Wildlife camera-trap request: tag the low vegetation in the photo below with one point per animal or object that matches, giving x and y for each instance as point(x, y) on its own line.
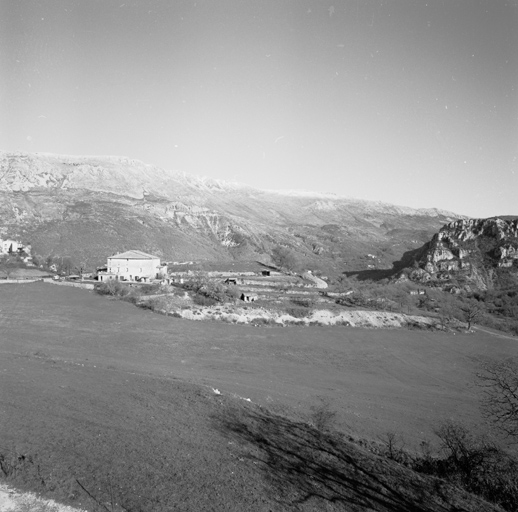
point(494, 309)
point(120, 290)
point(473, 463)
point(285, 258)
point(451, 310)
point(209, 292)
point(462, 459)
point(459, 457)
point(10, 263)
point(499, 309)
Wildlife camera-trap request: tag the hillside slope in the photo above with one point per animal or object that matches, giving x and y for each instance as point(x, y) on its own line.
point(159, 415)
point(90, 207)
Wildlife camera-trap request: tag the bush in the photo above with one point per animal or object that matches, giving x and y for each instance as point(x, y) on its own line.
point(394, 448)
point(157, 304)
point(118, 289)
point(304, 303)
point(147, 304)
point(297, 312)
point(473, 463)
point(219, 292)
point(149, 289)
point(232, 292)
point(285, 258)
point(464, 452)
point(109, 288)
point(323, 417)
point(259, 320)
point(203, 300)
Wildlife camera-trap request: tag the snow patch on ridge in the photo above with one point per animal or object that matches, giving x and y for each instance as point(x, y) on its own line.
point(305, 193)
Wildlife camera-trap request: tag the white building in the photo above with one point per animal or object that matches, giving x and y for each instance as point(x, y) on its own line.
point(132, 266)
point(10, 245)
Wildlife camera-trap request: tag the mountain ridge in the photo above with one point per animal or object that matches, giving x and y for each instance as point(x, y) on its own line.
point(119, 203)
point(219, 184)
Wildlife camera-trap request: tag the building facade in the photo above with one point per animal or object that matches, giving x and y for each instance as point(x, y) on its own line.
point(132, 266)
point(7, 246)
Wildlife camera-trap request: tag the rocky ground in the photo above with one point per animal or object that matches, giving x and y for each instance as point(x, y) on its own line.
point(15, 501)
point(183, 307)
point(244, 315)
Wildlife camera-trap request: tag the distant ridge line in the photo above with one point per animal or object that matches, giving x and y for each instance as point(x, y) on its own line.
point(219, 185)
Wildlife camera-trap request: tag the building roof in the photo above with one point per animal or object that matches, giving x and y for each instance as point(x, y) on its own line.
point(134, 255)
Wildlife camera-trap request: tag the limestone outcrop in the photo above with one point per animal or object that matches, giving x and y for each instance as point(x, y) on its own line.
point(470, 250)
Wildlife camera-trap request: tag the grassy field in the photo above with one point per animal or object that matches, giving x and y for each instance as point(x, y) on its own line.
point(120, 400)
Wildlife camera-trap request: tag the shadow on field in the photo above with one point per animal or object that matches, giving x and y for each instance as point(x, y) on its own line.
point(312, 470)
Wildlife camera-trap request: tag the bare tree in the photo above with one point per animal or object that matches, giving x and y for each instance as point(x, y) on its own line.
point(499, 380)
point(472, 311)
point(404, 300)
point(468, 455)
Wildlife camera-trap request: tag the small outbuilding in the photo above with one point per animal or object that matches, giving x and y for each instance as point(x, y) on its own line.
point(249, 297)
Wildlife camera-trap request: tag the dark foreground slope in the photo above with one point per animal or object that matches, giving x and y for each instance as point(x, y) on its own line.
point(105, 439)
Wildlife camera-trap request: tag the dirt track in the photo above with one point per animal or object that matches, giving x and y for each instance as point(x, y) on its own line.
point(495, 333)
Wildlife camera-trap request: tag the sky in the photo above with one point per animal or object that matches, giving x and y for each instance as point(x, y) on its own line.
point(410, 102)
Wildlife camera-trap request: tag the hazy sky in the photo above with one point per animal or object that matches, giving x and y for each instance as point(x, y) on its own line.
point(406, 101)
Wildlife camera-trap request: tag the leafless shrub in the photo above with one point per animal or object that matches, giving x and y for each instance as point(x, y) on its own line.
point(394, 447)
point(499, 381)
point(323, 416)
point(476, 464)
point(463, 450)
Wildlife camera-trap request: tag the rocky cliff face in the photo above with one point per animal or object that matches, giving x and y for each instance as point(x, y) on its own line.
point(90, 207)
point(470, 251)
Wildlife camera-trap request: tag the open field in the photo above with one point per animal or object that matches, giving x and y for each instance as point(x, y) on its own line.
point(378, 379)
point(83, 377)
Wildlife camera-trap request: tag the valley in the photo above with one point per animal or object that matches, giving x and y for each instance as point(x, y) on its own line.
point(339, 337)
point(258, 256)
